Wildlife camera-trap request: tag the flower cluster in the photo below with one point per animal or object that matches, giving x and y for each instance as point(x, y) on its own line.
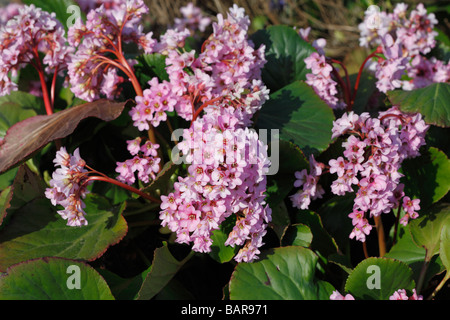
point(68, 186)
point(151, 108)
point(226, 178)
point(228, 65)
point(145, 162)
point(227, 162)
point(371, 161)
point(404, 41)
point(91, 71)
point(336, 295)
point(22, 38)
point(8, 12)
point(311, 190)
point(390, 70)
point(415, 31)
point(400, 294)
point(321, 80)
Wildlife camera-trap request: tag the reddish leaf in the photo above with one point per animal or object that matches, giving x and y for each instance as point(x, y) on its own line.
point(26, 137)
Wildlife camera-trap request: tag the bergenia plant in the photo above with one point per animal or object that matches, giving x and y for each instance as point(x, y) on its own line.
point(214, 159)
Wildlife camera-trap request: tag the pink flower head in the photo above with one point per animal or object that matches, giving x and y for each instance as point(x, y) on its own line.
point(31, 31)
point(68, 187)
point(90, 73)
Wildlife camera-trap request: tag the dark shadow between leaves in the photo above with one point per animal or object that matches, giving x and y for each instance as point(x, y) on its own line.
point(31, 217)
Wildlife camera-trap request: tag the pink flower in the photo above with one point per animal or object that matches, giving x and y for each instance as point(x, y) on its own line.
point(410, 207)
point(401, 294)
point(89, 75)
point(32, 30)
point(336, 295)
point(337, 166)
point(68, 187)
point(214, 190)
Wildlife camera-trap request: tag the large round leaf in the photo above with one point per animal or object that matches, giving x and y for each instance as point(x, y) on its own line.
point(379, 278)
point(407, 251)
point(426, 230)
point(287, 274)
point(35, 230)
point(164, 267)
point(300, 115)
point(53, 279)
point(321, 239)
point(427, 177)
point(285, 54)
point(297, 235)
point(431, 102)
point(444, 250)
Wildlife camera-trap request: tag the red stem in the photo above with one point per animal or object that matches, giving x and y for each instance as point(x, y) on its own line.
point(203, 106)
point(377, 50)
point(124, 186)
point(345, 88)
point(398, 116)
point(38, 66)
point(347, 78)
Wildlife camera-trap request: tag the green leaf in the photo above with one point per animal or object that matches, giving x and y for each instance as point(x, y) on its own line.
point(5, 202)
point(7, 178)
point(18, 106)
point(219, 251)
point(297, 235)
point(431, 102)
point(321, 239)
point(286, 273)
point(439, 138)
point(35, 231)
point(163, 269)
point(300, 115)
point(280, 218)
point(407, 251)
point(59, 7)
point(285, 54)
point(444, 250)
point(124, 288)
point(334, 214)
point(53, 279)
point(426, 230)
point(25, 188)
point(427, 177)
point(378, 278)
point(150, 66)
